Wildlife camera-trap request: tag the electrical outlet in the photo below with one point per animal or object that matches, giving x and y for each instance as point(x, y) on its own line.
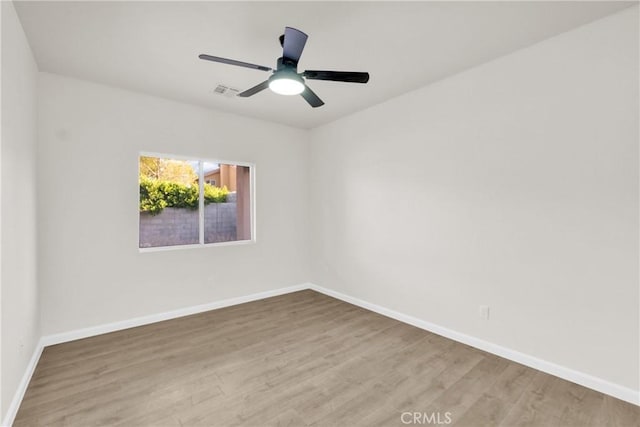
point(483, 312)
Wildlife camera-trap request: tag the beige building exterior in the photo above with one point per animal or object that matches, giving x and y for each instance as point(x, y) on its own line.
point(236, 179)
point(225, 175)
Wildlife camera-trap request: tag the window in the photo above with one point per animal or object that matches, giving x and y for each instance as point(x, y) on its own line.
point(181, 205)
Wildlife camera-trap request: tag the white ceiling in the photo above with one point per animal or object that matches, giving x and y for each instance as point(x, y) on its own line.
point(153, 47)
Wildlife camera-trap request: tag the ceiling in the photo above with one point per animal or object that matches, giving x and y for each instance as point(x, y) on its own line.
point(153, 47)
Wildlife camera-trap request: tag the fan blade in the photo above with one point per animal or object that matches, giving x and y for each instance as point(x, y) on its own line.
point(337, 76)
point(294, 41)
point(234, 62)
point(311, 97)
point(257, 88)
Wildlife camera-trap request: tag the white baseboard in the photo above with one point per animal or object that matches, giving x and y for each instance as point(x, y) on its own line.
point(159, 317)
point(595, 383)
point(22, 386)
point(125, 324)
point(581, 378)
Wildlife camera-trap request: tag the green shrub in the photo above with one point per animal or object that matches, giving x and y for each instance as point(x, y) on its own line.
point(151, 197)
point(213, 194)
point(179, 195)
point(155, 195)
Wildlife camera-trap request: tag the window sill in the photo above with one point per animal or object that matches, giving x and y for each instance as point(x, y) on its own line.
point(196, 246)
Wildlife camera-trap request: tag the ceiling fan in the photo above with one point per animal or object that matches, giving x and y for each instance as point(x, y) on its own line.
point(285, 79)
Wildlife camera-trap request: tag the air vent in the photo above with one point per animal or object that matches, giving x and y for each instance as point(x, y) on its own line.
point(225, 90)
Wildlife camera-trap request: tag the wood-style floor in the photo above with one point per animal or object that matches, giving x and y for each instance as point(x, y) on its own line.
point(296, 360)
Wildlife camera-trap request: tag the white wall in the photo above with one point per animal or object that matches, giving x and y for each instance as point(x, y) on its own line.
point(19, 292)
point(513, 184)
point(91, 270)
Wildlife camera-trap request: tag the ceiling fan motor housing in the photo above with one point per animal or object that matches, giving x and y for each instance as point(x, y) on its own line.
point(286, 80)
point(286, 64)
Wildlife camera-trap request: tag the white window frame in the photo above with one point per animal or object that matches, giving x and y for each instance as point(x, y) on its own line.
point(201, 160)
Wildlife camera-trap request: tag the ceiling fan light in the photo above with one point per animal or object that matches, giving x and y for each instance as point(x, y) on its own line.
point(286, 85)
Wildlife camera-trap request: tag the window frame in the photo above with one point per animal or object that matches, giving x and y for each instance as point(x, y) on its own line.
point(201, 161)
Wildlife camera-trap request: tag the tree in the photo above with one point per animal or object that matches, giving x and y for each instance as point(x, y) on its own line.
point(159, 169)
